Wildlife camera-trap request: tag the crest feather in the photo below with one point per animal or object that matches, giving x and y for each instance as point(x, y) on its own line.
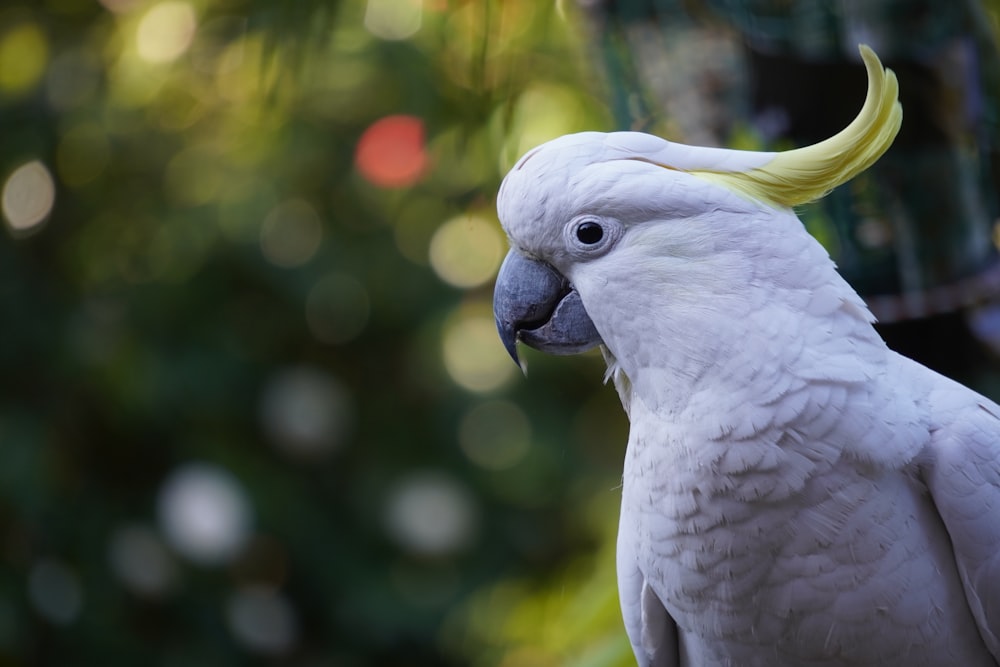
point(803, 174)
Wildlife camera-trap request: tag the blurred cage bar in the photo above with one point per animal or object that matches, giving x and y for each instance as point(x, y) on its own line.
point(917, 234)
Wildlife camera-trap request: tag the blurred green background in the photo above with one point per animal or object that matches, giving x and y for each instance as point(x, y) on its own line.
point(254, 410)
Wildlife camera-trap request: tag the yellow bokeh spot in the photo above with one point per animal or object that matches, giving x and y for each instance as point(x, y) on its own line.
point(393, 19)
point(24, 54)
point(473, 355)
point(28, 196)
point(166, 31)
point(466, 251)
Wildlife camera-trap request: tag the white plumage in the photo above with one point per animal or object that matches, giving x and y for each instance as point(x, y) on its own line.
point(794, 492)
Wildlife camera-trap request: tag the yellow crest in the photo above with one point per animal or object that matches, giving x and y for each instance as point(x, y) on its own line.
point(801, 175)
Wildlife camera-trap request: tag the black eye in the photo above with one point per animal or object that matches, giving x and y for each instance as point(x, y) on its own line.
point(589, 233)
point(588, 236)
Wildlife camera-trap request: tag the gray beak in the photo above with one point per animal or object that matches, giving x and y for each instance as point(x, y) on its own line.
point(534, 303)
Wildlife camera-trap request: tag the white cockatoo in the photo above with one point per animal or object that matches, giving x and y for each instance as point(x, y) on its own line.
point(794, 493)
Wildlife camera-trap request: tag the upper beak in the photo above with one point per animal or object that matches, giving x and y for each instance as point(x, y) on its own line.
point(534, 303)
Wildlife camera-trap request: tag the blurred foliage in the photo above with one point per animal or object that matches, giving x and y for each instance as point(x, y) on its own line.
point(571, 619)
point(254, 410)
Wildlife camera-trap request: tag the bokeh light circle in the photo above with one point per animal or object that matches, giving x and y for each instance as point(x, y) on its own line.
point(28, 197)
point(24, 55)
point(262, 620)
point(306, 412)
point(291, 234)
point(393, 19)
point(431, 514)
point(466, 251)
point(391, 152)
point(166, 31)
point(204, 513)
point(55, 592)
point(472, 353)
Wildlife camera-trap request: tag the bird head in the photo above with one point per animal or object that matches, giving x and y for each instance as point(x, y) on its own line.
point(606, 227)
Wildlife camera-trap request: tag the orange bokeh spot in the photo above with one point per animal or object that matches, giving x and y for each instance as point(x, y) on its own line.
point(391, 151)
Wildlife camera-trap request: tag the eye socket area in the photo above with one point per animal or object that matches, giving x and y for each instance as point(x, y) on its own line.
point(591, 234)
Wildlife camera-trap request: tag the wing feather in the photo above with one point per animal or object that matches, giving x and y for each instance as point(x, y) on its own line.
point(962, 471)
point(651, 630)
